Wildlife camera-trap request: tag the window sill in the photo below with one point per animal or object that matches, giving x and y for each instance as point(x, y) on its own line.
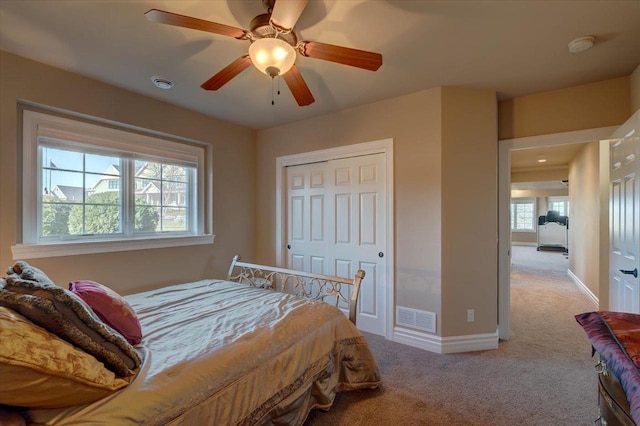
point(35, 251)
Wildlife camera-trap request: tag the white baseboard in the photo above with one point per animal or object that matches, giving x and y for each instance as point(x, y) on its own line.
point(445, 345)
point(583, 287)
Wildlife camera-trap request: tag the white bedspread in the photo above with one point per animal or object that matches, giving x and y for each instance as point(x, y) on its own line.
point(217, 352)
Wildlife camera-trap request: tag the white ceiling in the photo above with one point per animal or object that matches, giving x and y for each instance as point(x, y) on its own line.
point(512, 47)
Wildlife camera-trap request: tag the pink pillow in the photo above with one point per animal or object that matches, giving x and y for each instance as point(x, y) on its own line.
point(110, 307)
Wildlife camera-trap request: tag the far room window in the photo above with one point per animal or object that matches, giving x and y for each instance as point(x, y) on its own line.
point(98, 186)
point(559, 204)
point(523, 214)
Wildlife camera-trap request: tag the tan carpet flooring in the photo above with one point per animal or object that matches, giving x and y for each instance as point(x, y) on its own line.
point(542, 376)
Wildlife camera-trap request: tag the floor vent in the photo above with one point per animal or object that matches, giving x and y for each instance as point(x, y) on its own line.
point(414, 318)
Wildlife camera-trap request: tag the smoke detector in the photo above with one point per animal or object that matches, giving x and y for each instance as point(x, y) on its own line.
point(162, 83)
point(581, 44)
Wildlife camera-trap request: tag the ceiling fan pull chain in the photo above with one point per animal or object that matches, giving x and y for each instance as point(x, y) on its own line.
point(272, 101)
point(273, 89)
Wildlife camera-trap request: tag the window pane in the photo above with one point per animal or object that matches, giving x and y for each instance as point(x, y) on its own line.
point(148, 169)
point(55, 159)
point(55, 216)
point(173, 219)
point(102, 214)
point(102, 164)
point(81, 193)
point(523, 215)
point(561, 206)
point(147, 217)
point(513, 216)
point(166, 188)
point(174, 173)
point(174, 194)
point(64, 187)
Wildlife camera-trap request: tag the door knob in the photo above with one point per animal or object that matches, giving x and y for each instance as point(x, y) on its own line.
point(289, 246)
point(381, 254)
point(630, 272)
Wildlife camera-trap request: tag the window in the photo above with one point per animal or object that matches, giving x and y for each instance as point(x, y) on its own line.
point(559, 204)
point(108, 190)
point(523, 214)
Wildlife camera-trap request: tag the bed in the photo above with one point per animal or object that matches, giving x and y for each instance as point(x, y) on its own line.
point(220, 352)
point(615, 338)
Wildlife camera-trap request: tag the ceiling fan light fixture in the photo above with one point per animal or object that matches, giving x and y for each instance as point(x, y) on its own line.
point(272, 56)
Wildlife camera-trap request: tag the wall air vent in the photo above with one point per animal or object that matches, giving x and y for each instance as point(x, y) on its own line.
point(414, 318)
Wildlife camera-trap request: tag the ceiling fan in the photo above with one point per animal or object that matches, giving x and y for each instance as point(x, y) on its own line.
point(273, 46)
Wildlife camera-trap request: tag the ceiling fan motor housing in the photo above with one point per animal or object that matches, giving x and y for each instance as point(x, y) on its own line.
point(261, 28)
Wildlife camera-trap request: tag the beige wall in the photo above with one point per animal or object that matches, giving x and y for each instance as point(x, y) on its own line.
point(542, 175)
point(584, 229)
point(234, 193)
point(600, 104)
point(417, 126)
point(469, 210)
point(414, 122)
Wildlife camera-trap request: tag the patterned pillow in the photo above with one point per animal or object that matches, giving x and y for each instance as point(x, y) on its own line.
point(40, 370)
point(27, 272)
point(112, 308)
point(63, 313)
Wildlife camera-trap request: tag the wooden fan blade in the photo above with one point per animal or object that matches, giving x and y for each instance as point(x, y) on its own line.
point(298, 87)
point(343, 55)
point(286, 13)
point(162, 17)
point(227, 73)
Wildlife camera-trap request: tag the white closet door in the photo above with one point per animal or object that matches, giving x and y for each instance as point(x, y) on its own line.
point(307, 232)
point(337, 224)
point(624, 286)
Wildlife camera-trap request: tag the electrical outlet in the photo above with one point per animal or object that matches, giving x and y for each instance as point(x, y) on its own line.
point(471, 315)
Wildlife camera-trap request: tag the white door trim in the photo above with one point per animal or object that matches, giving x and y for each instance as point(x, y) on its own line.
point(380, 146)
point(505, 146)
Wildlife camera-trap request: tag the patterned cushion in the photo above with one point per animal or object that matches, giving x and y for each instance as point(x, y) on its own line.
point(110, 307)
point(63, 313)
point(27, 272)
point(38, 369)
point(616, 337)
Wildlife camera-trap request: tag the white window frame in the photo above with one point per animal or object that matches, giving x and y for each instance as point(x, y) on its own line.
point(526, 200)
point(39, 125)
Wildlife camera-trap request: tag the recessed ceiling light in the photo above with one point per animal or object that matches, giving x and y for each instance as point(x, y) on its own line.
point(542, 159)
point(161, 82)
point(581, 44)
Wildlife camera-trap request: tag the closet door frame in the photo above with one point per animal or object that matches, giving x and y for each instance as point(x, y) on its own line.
point(374, 147)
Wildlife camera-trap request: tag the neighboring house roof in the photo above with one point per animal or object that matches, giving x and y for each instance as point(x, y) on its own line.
point(150, 188)
point(114, 170)
point(70, 193)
